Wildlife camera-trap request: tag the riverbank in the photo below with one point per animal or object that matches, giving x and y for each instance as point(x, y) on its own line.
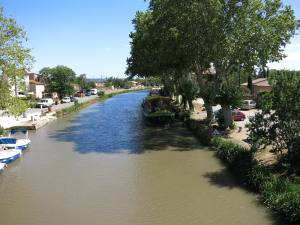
point(276, 192)
point(37, 118)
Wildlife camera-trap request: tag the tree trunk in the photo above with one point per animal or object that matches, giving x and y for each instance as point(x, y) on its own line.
point(209, 112)
point(191, 106)
point(227, 116)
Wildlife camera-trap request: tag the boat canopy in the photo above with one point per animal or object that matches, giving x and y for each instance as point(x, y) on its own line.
point(16, 130)
point(7, 141)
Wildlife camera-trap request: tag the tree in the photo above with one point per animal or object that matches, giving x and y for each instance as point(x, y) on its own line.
point(10, 104)
point(278, 123)
point(250, 34)
point(174, 38)
point(15, 58)
point(82, 81)
point(230, 96)
point(250, 85)
point(61, 80)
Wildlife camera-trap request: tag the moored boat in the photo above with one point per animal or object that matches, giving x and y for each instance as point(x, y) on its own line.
point(8, 156)
point(158, 109)
point(13, 143)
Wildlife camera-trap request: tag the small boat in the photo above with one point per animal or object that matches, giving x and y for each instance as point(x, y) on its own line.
point(13, 143)
point(158, 110)
point(8, 156)
point(2, 166)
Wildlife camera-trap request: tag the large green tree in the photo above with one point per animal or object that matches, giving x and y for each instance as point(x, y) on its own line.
point(250, 34)
point(174, 38)
point(15, 60)
point(61, 80)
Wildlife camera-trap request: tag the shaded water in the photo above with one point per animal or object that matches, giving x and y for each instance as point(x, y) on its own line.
point(104, 166)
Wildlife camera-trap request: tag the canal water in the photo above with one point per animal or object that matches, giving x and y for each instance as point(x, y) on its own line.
point(105, 166)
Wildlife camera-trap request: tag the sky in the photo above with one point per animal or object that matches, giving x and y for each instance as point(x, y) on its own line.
point(92, 36)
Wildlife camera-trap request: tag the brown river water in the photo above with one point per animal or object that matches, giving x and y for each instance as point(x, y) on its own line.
point(104, 166)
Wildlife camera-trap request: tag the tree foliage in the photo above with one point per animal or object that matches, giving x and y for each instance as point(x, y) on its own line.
point(175, 38)
point(61, 80)
point(15, 60)
point(278, 123)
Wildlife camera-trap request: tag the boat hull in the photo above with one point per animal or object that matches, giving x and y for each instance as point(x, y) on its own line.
point(19, 144)
point(8, 156)
point(160, 120)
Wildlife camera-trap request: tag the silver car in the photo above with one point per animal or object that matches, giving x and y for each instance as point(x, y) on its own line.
point(248, 104)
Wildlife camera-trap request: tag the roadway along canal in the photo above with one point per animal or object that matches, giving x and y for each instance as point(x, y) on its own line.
point(104, 166)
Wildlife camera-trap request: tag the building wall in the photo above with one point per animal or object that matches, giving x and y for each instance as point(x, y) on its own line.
point(259, 89)
point(37, 90)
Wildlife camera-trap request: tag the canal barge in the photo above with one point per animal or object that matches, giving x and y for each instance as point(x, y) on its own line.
point(158, 109)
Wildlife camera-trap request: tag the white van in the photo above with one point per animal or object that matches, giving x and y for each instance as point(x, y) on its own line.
point(93, 91)
point(45, 102)
point(248, 104)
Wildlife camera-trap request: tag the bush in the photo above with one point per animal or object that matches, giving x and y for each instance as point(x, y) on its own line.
point(100, 93)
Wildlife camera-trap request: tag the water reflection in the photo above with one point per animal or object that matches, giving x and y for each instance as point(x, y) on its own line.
point(110, 127)
point(117, 125)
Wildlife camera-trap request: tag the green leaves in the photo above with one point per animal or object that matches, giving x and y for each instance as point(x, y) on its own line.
point(278, 124)
point(60, 80)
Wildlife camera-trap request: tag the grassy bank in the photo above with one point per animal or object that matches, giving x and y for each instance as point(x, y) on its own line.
point(277, 193)
point(78, 106)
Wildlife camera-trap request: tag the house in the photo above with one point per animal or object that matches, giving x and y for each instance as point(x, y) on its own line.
point(36, 85)
point(258, 86)
point(36, 89)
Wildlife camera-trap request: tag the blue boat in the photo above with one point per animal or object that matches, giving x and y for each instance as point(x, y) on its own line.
point(13, 143)
point(8, 156)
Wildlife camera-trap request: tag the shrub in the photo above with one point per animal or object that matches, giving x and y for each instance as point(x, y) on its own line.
point(100, 93)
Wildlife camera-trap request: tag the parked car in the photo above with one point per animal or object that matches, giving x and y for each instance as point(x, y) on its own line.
point(21, 95)
point(45, 102)
point(237, 115)
point(74, 98)
point(66, 100)
point(88, 93)
point(248, 104)
point(93, 91)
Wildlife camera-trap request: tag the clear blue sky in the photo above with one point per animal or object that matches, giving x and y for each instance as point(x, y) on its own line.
point(91, 36)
